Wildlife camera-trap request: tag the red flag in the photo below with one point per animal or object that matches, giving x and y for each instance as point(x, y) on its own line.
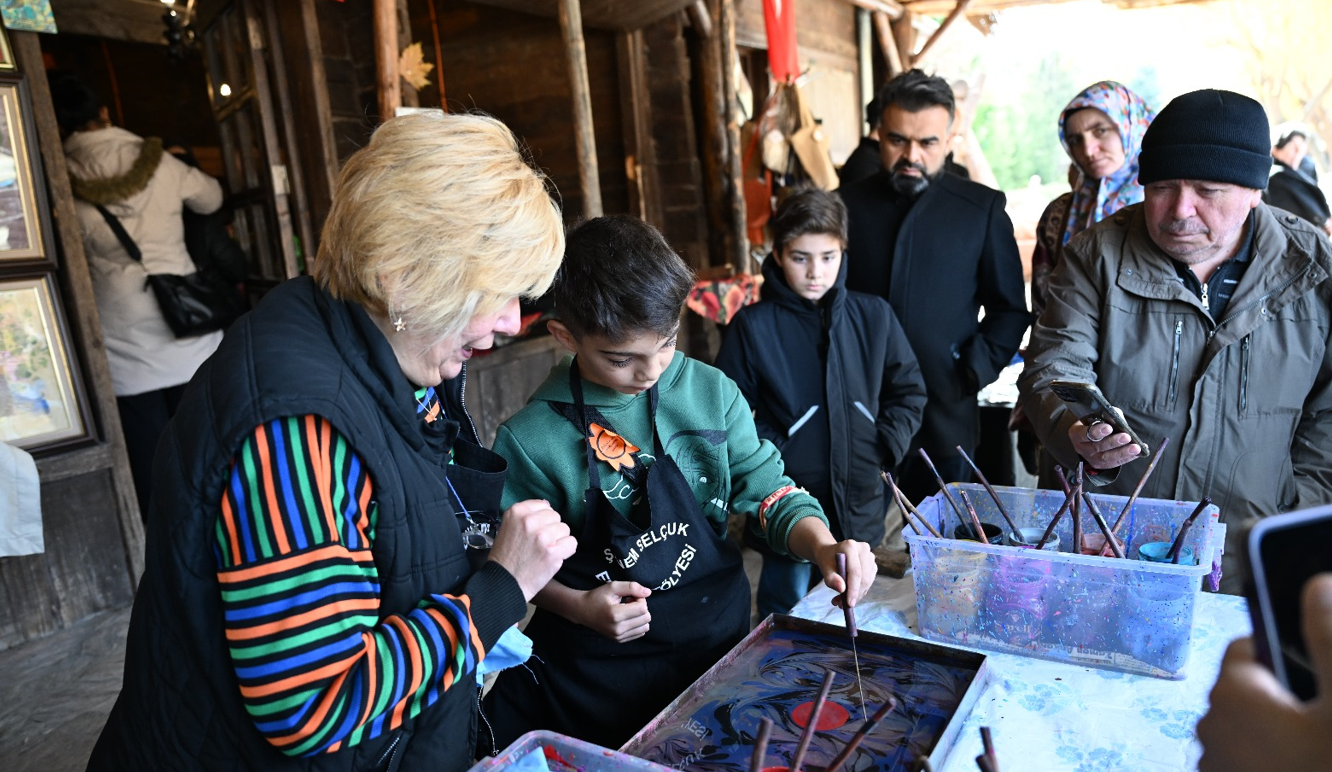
point(779, 21)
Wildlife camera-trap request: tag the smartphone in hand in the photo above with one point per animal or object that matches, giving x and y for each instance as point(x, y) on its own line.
point(1088, 404)
point(1285, 551)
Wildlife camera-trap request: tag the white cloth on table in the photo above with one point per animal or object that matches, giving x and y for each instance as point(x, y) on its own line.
point(20, 504)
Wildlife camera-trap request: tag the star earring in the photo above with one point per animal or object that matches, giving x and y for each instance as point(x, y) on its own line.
point(398, 325)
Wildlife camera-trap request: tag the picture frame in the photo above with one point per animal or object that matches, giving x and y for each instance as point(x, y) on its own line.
point(6, 53)
point(42, 402)
point(25, 229)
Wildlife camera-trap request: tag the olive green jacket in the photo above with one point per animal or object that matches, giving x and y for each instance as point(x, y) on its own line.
point(1246, 401)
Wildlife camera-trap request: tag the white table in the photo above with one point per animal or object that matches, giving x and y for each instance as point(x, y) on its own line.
point(1051, 717)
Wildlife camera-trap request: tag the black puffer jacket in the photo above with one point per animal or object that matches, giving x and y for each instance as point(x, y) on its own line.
point(842, 422)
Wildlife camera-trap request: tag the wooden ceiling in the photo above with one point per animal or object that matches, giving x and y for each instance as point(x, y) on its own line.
point(604, 14)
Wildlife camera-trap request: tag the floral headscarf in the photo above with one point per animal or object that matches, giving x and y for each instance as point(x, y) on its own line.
point(1094, 200)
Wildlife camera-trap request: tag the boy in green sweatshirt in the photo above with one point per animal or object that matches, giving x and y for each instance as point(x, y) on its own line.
point(646, 454)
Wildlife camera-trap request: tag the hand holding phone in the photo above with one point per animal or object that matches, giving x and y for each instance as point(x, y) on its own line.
point(1285, 552)
point(1087, 402)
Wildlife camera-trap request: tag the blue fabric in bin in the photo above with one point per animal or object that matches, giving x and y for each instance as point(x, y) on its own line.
point(532, 761)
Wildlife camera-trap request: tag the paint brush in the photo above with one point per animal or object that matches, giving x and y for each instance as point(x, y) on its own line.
point(860, 735)
point(850, 615)
point(760, 745)
point(943, 486)
point(813, 721)
point(975, 520)
point(905, 504)
point(897, 496)
point(986, 763)
point(989, 489)
point(1076, 511)
point(989, 755)
point(1160, 451)
point(1178, 546)
point(1049, 529)
point(1110, 541)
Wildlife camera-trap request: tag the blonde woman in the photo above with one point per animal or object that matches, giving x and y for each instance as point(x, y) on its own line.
point(309, 601)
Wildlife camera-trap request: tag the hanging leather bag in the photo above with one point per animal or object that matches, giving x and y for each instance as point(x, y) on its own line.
point(194, 304)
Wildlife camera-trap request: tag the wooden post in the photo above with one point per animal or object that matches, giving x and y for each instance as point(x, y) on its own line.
point(888, 42)
point(904, 39)
point(386, 57)
point(735, 190)
point(571, 24)
point(947, 22)
point(439, 58)
point(640, 158)
point(714, 151)
point(409, 95)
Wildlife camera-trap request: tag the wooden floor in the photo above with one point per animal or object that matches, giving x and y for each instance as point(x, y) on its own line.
point(55, 694)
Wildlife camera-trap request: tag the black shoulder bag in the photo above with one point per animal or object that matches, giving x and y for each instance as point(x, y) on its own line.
point(192, 305)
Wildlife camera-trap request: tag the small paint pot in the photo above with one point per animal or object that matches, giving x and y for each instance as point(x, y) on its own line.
point(1092, 544)
point(1028, 538)
point(1158, 552)
point(965, 532)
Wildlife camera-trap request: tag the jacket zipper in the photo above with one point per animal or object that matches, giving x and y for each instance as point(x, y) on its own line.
point(386, 759)
point(1206, 307)
point(462, 399)
point(1244, 374)
point(1174, 363)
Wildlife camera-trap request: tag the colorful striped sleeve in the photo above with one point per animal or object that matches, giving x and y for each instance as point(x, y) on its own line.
point(318, 670)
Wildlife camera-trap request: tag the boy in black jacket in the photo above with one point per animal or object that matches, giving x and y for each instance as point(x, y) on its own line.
point(831, 378)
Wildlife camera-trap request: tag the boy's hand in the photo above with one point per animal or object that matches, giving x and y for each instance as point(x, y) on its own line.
point(532, 544)
point(617, 610)
point(860, 569)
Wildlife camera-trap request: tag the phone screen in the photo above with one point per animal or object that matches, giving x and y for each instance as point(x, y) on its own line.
point(1290, 556)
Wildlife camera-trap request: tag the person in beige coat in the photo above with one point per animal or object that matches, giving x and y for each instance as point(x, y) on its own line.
point(1205, 316)
point(145, 189)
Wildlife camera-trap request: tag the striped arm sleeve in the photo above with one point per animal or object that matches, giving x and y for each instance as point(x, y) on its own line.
point(317, 668)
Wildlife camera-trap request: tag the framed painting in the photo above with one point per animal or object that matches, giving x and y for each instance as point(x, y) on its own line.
point(24, 229)
point(42, 405)
point(6, 53)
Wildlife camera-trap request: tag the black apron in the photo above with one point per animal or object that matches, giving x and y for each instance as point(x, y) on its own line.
point(595, 689)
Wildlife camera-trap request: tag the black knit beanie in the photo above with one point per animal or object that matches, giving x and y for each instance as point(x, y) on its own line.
point(1217, 136)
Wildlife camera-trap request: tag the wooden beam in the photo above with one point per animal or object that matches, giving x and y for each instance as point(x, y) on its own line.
point(700, 18)
point(640, 157)
point(953, 16)
point(891, 8)
point(735, 189)
point(386, 58)
point(439, 57)
point(888, 43)
point(76, 280)
point(291, 145)
point(713, 150)
point(129, 20)
point(314, 116)
point(904, 39)
point(571, 25)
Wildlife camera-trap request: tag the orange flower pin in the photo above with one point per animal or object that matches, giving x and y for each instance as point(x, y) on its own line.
point(612, 448)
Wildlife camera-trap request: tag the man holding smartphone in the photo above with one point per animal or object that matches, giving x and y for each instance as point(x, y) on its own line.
point(1204, 316)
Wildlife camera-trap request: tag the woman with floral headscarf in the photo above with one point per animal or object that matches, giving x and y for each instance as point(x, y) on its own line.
point(1101, 129)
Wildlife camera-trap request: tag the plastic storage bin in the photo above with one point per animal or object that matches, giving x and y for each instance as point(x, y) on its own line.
point(566, 754)
point(1126, 615)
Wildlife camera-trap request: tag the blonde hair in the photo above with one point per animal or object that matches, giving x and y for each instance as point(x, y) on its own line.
point(439, 219)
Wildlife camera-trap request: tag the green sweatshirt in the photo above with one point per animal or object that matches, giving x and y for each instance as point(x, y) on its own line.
point(705, 424)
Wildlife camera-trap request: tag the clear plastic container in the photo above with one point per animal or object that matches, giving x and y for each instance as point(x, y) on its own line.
point(566, 754)
point(1127, 615)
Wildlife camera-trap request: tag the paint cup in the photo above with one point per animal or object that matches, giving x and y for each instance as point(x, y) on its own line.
point(1028, 538)
point(1085, 604)
point(965, 532)
point(1159, 551)
point(1154, 626)
point(952, 595)
point(1015, 609)
point(1092, 544)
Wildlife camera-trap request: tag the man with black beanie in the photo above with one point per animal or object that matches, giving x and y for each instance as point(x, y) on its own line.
point(1205, 316)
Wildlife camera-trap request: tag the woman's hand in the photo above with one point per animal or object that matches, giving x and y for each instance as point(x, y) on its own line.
point(1254, 723)
point(533, 542)
point(1100, 446)
point(617, 610)
point(860, 570)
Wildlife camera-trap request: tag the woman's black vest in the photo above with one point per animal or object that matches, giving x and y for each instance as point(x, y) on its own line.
point(300, 352)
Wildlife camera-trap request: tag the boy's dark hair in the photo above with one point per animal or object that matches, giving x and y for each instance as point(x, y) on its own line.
point(874, 113)
point(620, 279)
point(914, 91)
point(1288, 136)
point(808, 210)
point(76, 105)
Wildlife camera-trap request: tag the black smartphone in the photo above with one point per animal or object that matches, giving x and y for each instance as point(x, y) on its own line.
point(1088, 403)
point(1285, 551)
